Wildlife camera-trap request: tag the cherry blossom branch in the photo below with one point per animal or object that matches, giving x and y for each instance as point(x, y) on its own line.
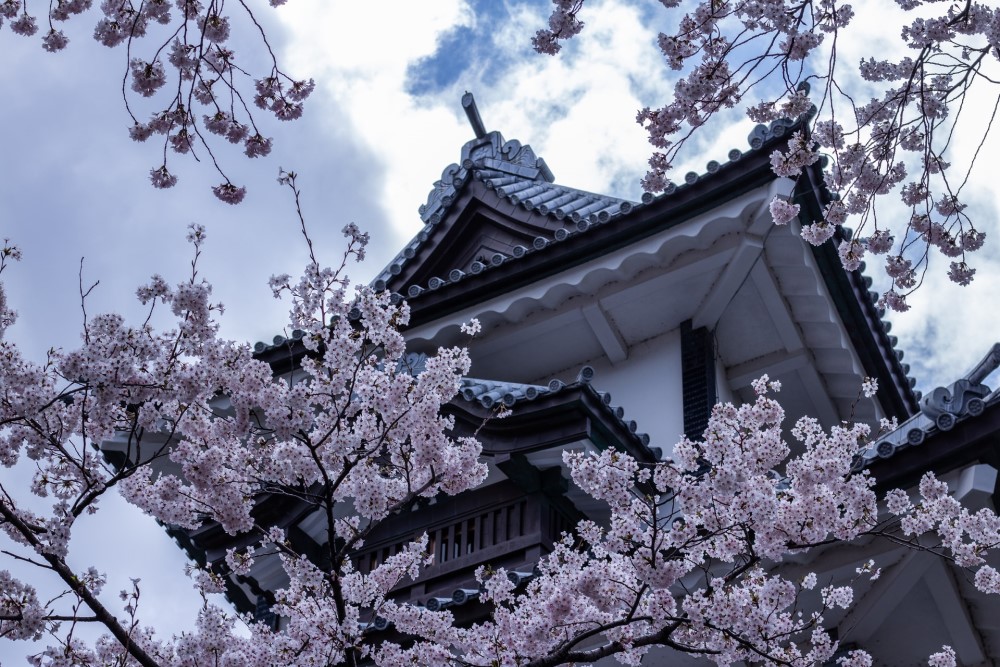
point(101, 613)
point(196, 59)
point(896, 143)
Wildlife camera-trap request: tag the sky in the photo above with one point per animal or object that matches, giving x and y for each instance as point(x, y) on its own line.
point(384, 122)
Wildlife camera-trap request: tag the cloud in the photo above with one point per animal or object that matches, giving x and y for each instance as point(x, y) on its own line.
point(577, 110)
point(364, 78)
point(947, 329)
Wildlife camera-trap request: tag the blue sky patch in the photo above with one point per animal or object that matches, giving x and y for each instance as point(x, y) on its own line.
point(466, 48)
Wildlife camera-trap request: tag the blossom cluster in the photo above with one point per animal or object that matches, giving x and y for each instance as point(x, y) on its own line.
point(202, 430)
point(563, 24)
point(896, 142)
point(205, 428)
point(199, 63)
point(686, 559)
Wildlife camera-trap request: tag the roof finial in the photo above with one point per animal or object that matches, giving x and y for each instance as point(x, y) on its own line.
point(469, 104)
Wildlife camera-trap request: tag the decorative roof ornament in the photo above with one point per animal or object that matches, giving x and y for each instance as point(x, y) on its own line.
point(472, 113)
point(761, 134)
point(940, 411)
point(488, 151)
point(966, 395)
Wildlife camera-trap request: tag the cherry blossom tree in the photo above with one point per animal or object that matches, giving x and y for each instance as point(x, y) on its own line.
point(180, 54)
point(888, 125)
point(361, 433)
point(687, 561)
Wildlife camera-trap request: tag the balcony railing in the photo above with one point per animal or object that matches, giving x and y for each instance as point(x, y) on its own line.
point(500, 526)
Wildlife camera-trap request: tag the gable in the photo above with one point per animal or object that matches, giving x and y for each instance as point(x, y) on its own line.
point(567, 226)
point(498, 203)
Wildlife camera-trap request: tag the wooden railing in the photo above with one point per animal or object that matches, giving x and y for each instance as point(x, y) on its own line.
point(500, 525)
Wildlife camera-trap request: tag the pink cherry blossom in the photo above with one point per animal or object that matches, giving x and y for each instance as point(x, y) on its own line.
point(851, 253)
point(219, 123)
point(147, 78)
point(229, 193)
point(192, 51)
point(54, 41)
point(894, 301)
point(961, 273)
point(24, 25)
point(10, 8)
point(257, 146)
point(817, 233)
point(161, 178)
point(215, 28)
point(782, 211)
point(880, 242)
point(945, 658)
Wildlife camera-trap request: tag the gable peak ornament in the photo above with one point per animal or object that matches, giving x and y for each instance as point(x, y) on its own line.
point(488, 152)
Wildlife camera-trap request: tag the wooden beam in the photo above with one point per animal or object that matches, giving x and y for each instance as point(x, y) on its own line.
point(776, 307)
point(774, 364)
point(607, 335)
point(729, 283)
point(819, 394)
point(955, 614)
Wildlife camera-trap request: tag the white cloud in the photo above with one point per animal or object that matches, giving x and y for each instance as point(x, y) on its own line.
point(948, 328)
point(576, 110)
point(364, 78)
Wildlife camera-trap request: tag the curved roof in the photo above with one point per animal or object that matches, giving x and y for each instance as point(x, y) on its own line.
point(496, 221)
point(518, 177)
point(490, 394)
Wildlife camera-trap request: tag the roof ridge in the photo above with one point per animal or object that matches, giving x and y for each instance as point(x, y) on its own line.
point(510, 168)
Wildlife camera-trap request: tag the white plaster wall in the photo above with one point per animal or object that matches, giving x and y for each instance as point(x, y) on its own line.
point(648, 385)
point(724, 393)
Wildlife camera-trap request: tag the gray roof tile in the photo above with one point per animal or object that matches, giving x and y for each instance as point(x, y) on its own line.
point(513, 172)
point(491, 393)
point(943, 408)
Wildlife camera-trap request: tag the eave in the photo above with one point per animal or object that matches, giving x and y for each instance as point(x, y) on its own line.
point(565, 415)
point(971, 441)
point(688, 201)
point(590, 240)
